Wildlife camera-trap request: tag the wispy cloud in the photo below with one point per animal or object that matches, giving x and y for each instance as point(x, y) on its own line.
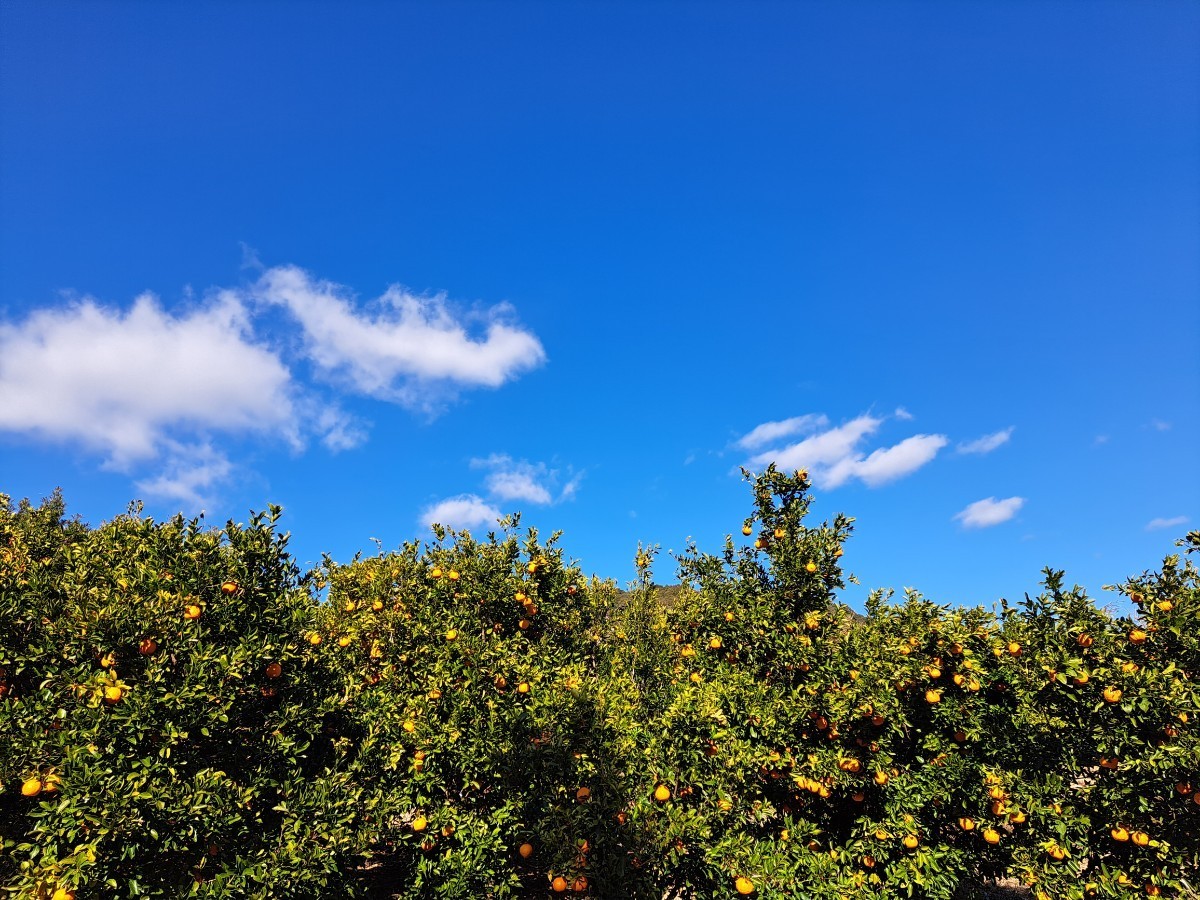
point(1100, 439)
point(519, 479)
point(404, 343)
point(463, 511)
point(1160, 425)
point(122, 383)
point(990, 511)
point(1173, 522)
point(832, 456)
point(987, 443)
point(152, 391)
point(773, 431)
point(903, 414)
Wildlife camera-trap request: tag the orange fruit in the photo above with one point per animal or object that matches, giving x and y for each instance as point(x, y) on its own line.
point(191, 611)
point(933, 696)
point(31, 787)
point(1112, 695)
point(229, 588)
point(452, 635)
point(1056, 852)
point(1137, 636)
point(1119, 834)
point(274, 670)
point(1140, 838)
point(966, 823)
point(747, 530)
point(1014, 649)
point(112, 695)
point(881, 778)
point(1017, 816)
point(523, 687)
point(583, 794)
point(377, 605)
point(420, 823)
point(743, 885)
point(314, 639)
point(452, 575)
point(148, 647)
point(63, 894)
point(580, 884)
point(810, 567)
point(991, 835)
point(714, 643)
point(1084, 640)
point(526, 850)
point(662, 793)
point(523, 624)
point(559, 884)
point(910, 842)
point(344, 640)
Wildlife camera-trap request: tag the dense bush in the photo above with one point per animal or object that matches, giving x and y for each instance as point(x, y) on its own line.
point(186, 713)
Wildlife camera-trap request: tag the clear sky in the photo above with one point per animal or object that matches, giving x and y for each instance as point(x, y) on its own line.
point(382, 262)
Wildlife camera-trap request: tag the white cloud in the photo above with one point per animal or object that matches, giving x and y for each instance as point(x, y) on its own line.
point(987, 443)
point(191, 473)
point(903, 414)
point(511, 479)
point(124, 383)
point(773, 431)
point(463, 511)
point(1100, 439)
point(405, 348)
point(1160, 425)
point(989, 512)
point(1158, 524)
point(832, 457)
point(899, 460)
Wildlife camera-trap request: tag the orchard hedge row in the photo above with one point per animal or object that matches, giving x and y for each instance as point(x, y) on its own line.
point(183, 712)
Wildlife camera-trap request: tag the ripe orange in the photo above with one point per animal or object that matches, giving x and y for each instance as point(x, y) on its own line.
point(1140, 838)
point(1137, 636)
point(778, 534)
point(526, 850)
point(810, 567)
point(933, 696)
point(910, 842)
point(112, 695)
point(523, 624)
point(452, 575)
point(523, 687)
point(881, 778)
point(1056, 852)
point(966, 823)
point(148, 647)
point(31, 787)
point(580, 884)
point(1014, 649)
point(377, 605)
point(1119, 834)
point(868, 862)
point(452, 635)
point(191, 611)
point(274, 670)
point(662, 793)
point(991, 835)
point(63, 894)
point(344, 640)
point(1017, 816)
point(229, 588)
point(559, 884)
point(715, 643)
point(583, 794)
point(747, 530)
point(420, 823)
point(314, 639)
point(1084, 640)
point(436, 573)
point(759, 543)
point(743, 885)
point(1112, 695)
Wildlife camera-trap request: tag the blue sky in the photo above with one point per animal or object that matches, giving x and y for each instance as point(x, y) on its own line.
point(380, 262)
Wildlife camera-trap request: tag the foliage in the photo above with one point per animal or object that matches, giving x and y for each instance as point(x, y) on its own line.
point(185, 713)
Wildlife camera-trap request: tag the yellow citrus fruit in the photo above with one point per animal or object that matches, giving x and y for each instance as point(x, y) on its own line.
point(747, 530)
point(229, 588)
point(1119, 834)
point(63, 894)
point(910, 842)
point(743, 885)
point(523, 687)
point(933, 696)
point(810, 567)
point(31, 787)
point(1112, 695)
point(420, 823)
point(452, 635)
point(1140, 838)
point(991, 835)
point(966, 823)
point(112, 694)
point(662, 793)
point(191, 611)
